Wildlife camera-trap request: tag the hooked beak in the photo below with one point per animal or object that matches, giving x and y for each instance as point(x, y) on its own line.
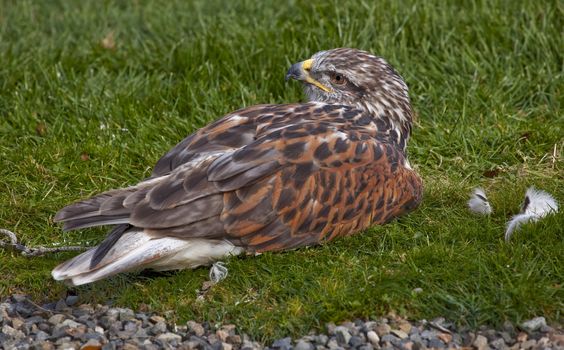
point(300, 71)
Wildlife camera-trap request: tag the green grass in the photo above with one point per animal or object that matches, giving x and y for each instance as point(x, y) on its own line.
point(486, 80)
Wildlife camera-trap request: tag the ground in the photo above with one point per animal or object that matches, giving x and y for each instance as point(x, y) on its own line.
point(92, 93)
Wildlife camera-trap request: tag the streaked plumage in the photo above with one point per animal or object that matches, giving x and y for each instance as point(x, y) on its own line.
point(264, 178)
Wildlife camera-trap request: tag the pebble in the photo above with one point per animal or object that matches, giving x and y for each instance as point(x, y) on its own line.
point(356, 341)
point(303, 345)
point(373, 338)
point(399, 333)
point(95, 327)
point(383, 329)
point(196, 328)
point(283, 344)
point(71, 300)
point(534, 324)
point(343, 335)
point(481, 342)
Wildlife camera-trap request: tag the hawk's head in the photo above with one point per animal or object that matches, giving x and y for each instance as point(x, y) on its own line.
point(355, 78)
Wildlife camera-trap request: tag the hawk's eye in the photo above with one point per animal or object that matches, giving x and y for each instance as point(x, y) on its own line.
point(338, 79)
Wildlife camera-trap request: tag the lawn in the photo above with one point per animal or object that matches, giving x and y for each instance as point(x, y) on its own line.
point(92, 93)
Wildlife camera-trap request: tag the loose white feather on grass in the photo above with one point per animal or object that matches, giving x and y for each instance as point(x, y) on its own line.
point(218, 272)
point(479, 203)
point(537, 204)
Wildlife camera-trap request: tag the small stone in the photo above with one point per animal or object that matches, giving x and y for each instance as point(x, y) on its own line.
point(124, 334)
point(196, 328)
point(17, 322)
point(390, 338)
point(355, 341)
point(61, 305)
point(230, 328)
point(84, 311)
point(405, 327)
point(71, 300)
point(191, 345)
point(226, 346)
point(456, 338)
point(366, 347)
point(40, 335)
point(19, 298)
point(158, 328)
point(382, 329)
point(157, 319)
point(373, 338)
point(508, 327)
point(71, 323)
point(445, 337)
point(130, 326)
point(343, 335)
point(332, 344)
point(115, 327)
point(498, 344)
point(543, 342)
point(507, 338)
point(112, 313)
point(534, 324)
point(63, 340)
point(284, 343)
point(44, 326)
point(558, 339)
point(169, 337)
point(251, 345)
point(91, 344)
point(426, 334)
point(436, 343)
point(481, 342)
point(303, 345)
point(416, 338)
point(126, 314)
point(77, 333)
point(140, 334)
point(234, 339)
point(57, 319)
point(399, 333)
point(34, 320)
point(92, 335)
point(330, 328)
point(222, 334)
point(59, 331)
point(321, 339)
point(522, 336)
point(528, 344)
point(14, 333)
point(106, 321)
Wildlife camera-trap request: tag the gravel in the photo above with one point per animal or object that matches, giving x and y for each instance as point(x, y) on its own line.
point(68, 325)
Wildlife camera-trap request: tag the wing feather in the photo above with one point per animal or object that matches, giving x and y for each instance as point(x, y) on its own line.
point(266, 178)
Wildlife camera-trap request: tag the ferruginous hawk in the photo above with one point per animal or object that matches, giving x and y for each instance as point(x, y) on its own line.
point(264, 178)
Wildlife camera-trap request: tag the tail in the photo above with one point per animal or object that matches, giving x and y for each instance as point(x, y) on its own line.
point(108, 208)
point(136, 250)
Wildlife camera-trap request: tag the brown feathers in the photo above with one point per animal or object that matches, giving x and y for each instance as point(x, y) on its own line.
point(275, 177)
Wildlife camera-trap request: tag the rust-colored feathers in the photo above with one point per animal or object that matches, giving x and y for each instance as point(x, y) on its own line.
point(263, 178)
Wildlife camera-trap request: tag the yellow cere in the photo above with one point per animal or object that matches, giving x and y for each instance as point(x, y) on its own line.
point(306, 66)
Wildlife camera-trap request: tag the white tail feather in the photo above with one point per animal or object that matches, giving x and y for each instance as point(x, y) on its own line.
point(136, 251)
